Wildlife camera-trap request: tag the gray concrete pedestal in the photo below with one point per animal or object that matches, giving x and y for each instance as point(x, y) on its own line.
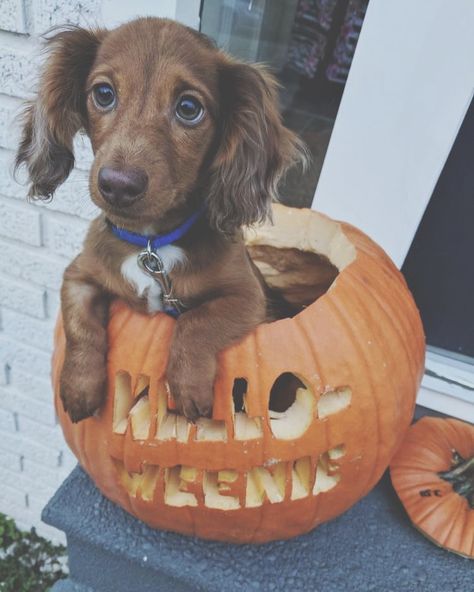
point(371, 547)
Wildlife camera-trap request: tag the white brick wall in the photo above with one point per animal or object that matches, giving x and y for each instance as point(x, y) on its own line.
point(12, 17)
point(36, 243)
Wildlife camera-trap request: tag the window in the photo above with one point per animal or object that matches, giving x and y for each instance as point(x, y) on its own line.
point(308, 44)
point(405, 100)
point(396, 124)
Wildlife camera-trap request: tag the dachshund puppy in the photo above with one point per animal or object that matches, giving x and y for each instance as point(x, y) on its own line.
point(188, 147)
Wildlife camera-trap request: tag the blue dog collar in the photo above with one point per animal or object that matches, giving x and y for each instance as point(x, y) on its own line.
point(157, 241)
point(150, 262)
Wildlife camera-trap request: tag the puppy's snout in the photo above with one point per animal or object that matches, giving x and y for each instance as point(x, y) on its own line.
point(122, 187)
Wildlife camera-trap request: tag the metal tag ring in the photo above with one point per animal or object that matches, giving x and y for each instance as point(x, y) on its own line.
point(151, 262)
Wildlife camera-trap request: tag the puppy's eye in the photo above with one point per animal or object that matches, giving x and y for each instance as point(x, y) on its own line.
point(189, 110)
point(104, 96)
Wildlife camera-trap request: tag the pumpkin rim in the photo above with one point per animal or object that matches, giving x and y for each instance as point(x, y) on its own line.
point(289, 223)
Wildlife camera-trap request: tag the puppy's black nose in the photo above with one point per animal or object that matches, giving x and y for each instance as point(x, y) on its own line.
point(122, 187)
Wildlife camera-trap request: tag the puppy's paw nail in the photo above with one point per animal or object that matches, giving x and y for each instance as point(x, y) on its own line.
point(190, 411)
point(205, 410)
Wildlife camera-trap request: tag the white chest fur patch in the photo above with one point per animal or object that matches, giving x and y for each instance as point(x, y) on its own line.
point(145, 285)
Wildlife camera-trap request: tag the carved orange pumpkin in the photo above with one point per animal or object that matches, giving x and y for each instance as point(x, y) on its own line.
point(308, 410)
point(433, 475)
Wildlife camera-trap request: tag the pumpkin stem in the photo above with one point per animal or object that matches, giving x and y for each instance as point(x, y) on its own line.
point(461, 477)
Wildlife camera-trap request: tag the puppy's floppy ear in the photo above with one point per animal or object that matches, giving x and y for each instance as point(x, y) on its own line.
point(51, 120)
point(255, 148)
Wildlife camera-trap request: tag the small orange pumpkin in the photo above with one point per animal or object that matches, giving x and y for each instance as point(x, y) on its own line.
point(433, 475)
point(308, 410)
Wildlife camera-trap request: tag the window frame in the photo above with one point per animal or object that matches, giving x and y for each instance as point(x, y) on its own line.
point(384, 187)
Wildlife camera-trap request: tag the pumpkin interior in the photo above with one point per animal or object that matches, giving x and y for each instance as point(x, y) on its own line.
point(300, 259)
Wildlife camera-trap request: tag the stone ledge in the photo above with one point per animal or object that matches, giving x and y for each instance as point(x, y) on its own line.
point(370, 547)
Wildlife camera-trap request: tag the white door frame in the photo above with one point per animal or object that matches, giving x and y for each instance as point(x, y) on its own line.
point(409, 87)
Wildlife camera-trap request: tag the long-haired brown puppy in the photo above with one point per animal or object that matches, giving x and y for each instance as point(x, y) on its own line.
point(189, 146)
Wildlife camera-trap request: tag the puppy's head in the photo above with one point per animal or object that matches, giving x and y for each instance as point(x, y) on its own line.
point(173, 123)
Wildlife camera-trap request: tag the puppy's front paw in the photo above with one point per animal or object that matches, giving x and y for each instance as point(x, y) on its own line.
point(83, 387)
point(192, 387)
